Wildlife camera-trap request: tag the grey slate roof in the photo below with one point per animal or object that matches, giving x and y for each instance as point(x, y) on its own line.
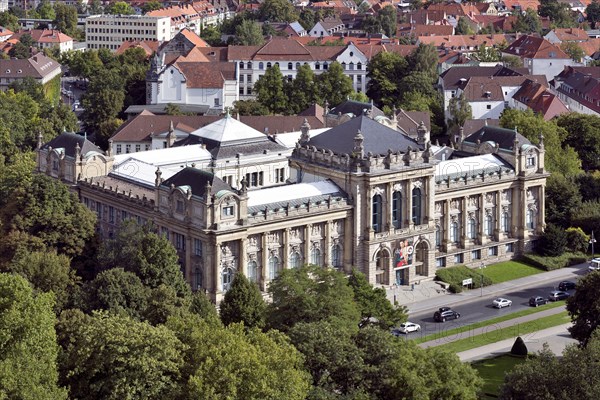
point(378, 138)
point(357, 108)
point(68, 141)
point(196, 179)
point(504, 137)
point(230, 149)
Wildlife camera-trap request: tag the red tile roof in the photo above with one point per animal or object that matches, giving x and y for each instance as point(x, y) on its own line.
point(528, 46)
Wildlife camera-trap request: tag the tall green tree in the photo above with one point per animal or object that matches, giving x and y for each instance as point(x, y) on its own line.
point(385, 70)
point(463, 27)
point(310, 294)
point(119, 7)
point(592, 13)
point(243, 302)
point(28, 349)
point(9, 20)
point(573, 50)
point(334, 86)
point(234, 363)
point(387, 18)
point(562, 199)
point(66, 18)
point(249, 33)
point(151, 6)
point(559, 13)
point(302, 93)
point(45, 10)
point(277, 11)
point(460, 110)
point(487, 54)
point(249, 107)
point(269, 90)
point(115, 357)
point(583, 134)
point(584, 307)
point(424, 59)
point(528, 22)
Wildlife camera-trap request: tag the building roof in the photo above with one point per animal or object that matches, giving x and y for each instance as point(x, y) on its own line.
point(37, 66)
point(378, 138)
point(197, 180)
point(202, 75)
point(46, 36)
point(503, 137)
point(149, 46)
point(460, 166)
point(356, 108)
point(570, 34)
point(409, 121)
point(169, 156)
point(228, 129)
point(483, 88)
point(69, 141)
point(452, 77)
point(289, 193)
point(535, 47)
point(464, 41)
point(284, 49)
point(473, 125)
point(138, 171)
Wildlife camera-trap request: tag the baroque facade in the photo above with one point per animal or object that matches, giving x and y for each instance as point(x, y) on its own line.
point(359, 195)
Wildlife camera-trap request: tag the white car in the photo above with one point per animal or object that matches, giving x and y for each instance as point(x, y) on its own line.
point(409, 327)
point(501, 302)
point(594, 264)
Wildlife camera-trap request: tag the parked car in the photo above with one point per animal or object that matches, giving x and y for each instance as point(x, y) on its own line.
point(409, 327)
point(558, 295)
point(76, 105)
point(566, 285)
point(501, 302)
point(445, 313)
point(537, 301)
point(594, 264)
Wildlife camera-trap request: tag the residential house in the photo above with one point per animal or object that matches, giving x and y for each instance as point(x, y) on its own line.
point(559, 35)
point(48, 39)
point(464, 43)
point(327, 27)
point(149, 47)
point(535, 96)
point(579, 89)
point(39, 67)
point(540, 56)
point(5, 33)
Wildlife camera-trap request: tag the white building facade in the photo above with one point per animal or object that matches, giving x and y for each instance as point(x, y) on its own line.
point(110, 31)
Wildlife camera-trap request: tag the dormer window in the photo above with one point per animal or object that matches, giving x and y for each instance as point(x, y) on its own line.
point(20, 71)
point(179, 206)
point(8, 71)
point(227, 211)
point(530, 161)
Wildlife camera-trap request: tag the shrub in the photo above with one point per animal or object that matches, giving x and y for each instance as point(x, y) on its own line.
point(577, 240)
point(454, 276)
point(552, 263)
point(519, 348)
point(554, 241)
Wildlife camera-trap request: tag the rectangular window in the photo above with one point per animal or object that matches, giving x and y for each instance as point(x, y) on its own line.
point(279, 175)
point(530, 161)
point(147, 147)
point(119, 150)
point(476, 255)
point(509, 248)
point(241, 78)
point(249, 78)
point(440, 262)
point(458, 258)
point(241, 90)
point(179, 241)
point(198, 247)
point(217, 102)
point(489, 106)
point(228, 211)
point(111, 214)
point(179, 207)
point(127, 148)
point(99, 210)
point(138, 147)
point(493, 251)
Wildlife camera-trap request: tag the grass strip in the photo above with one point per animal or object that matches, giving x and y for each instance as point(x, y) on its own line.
point(492, 371)
point(506, 333)
point(493, 321)
point(509, 270)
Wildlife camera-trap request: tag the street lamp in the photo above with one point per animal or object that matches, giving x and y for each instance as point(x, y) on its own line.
point(592, 241)
point(481, 272)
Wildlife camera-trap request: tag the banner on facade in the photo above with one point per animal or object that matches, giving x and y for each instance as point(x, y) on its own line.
point(404, 253)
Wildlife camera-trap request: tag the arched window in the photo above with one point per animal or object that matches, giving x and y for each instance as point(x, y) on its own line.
point(295, 260)
point(241, 65)
point(505, 222)
point(489, 225)
point(336, 256)
point(268, 65)
point(261, 65)
point(471, 228)
point(198, 279)
point(351, 66)
point(297, 65)
point(290, 66)
point(359, 66)
point(454, 232)
point(377, 213)
point(227, 278)
point(273, 267)
point(253, 271)
point(249, 65)
point(277, 63)
point(344, 66)
point(397, 210)
point(325, 66)
point(315, 256)
point(530, 219)
point(318, 65)
point(438, 235)
point(416, 206)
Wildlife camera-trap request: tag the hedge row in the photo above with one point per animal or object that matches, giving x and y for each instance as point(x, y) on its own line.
point(552, 263)
point(454, 276)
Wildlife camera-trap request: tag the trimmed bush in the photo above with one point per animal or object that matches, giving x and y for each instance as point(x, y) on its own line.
point(552, 263)
point(519, 348)
point(455, 275)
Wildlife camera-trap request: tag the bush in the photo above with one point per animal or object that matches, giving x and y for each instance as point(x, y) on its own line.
point(519, 348)
point(552, 263)
point(577, 240)
point(554, 241)
point(455, 275)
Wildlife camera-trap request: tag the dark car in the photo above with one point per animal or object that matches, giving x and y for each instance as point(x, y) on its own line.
point(445, 313)
point(537, 301)
point(566, 285)
point(558, 295)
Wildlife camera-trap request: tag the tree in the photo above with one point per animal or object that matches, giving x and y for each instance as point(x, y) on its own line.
point(584, 307)
point(519, 348)
point(589, 185)
point(424, 59)
point(45, 10)
point(211, 35)
point(119, 7)
point(528, 22)
point(307, 18)
point(559, 13)
point(371, 24)
point(573, 50)
point(243, 303)
point(201, 306)
point(559, 156)
point(150, 256)
point(333, 85)
point(45, 214)
point(234, 363)
point(583, 134)
point(151, 6)
point(28, 349)
point(66, 19)
point(249, 33)
point(592, 13)
point(387, 18)
point(277, 11)
point(115, 357)
point(460, 109)
point(577, 240)
point(20, 51)
point(512, 61)
point(9, 20)
point(47, 272)
point(384, 71)
point(417, 81)
point(562, 199)
point(31, 87)
point(303, 91)
point(463, 27)
point(249, 107)
point(554, 241)
point(311, 294)
point(269, 90)
point(373, 303)
point(487, 54)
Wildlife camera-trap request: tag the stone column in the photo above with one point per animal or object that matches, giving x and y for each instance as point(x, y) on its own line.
point(216, 269)
point(286, 248)
point(306, 244)
point(463, 221)
point(327, 261)
point(388, 215)
point(541, 209)
point(430, 204)
point(481, 216)
point(243, 267)
point(409, 221)
point(264, 276)
point(498, 215)
point(445, 225)
point(189, 273)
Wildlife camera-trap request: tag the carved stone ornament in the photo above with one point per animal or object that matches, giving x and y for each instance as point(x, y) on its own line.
point(316, 230)
point(489, 198)
point(315, 244)
point(454, 205)
point(532, 206)
point(417, 184)
point(274, 253)
point(454, 218)
point(471, 215)
point(504, 195)
point(252, 257)
point(273, 237)
point(438, 208)
point(397, 187)
point(505, 209)
point(377, 190)
point(472, 201)
point(253, 241)
point(335, 241)
point(489, 211)
point(530, 195)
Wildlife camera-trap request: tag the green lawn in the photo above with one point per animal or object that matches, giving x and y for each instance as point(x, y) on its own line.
point(493, 321)
point(509, 270)
point(492, 371)
point(497, 335)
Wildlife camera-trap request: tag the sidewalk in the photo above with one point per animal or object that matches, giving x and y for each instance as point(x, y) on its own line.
point(557, 338)
point(427, 296)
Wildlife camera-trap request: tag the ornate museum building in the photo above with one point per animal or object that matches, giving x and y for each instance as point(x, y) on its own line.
point(360, 194)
